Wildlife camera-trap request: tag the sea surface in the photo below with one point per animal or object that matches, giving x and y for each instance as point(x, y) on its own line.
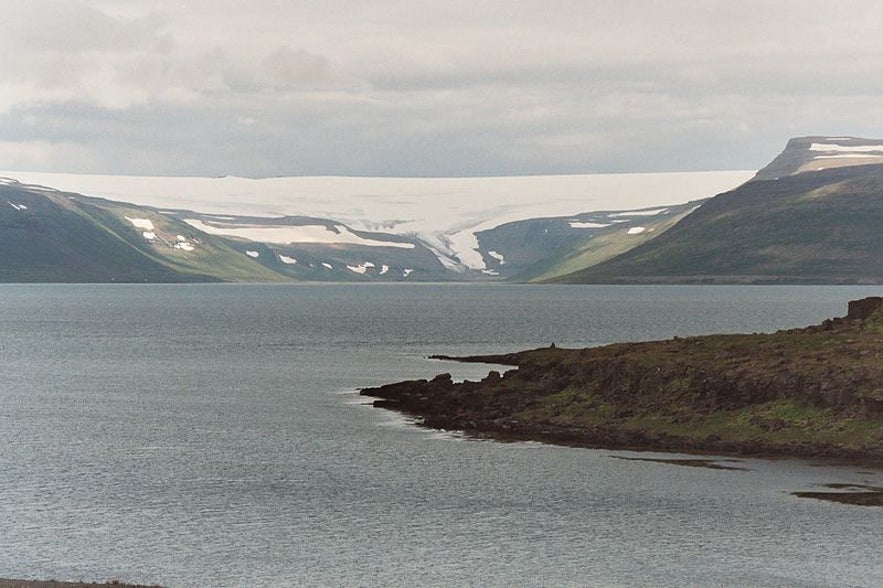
point(210, 435)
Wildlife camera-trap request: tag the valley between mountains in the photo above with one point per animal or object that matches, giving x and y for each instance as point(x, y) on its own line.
point(810, 216)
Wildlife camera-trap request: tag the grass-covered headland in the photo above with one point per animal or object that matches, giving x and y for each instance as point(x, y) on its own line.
point(810, 392)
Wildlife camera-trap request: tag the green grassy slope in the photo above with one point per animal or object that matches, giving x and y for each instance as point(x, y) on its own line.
point(816, 227)
point(50, 236)
point(600, 248)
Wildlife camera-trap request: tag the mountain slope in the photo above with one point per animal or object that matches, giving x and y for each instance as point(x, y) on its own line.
point(48, 236)
point(811, 227)
point(541, 249)
point(54, 236)
point(440, 216)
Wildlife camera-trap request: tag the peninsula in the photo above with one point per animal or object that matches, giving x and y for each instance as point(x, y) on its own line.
point(808, 392)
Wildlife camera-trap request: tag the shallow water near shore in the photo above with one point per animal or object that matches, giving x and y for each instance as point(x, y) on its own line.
point(209, 435)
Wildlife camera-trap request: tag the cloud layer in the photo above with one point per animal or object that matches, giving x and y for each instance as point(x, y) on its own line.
point(429, 88)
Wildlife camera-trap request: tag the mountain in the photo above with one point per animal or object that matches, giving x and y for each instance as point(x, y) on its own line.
point(119, 228)
point(544, 248)
point(51, 236)
point(803, 154)
point(812, 216)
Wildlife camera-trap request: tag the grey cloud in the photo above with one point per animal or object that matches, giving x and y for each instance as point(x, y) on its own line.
point(287, 68)
point(434, 88)
point(72, 27)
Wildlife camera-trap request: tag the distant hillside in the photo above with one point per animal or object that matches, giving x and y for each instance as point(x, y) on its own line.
point(331, 229)
point(544, 248)
point(803, 227)
point(395, 229)
point(48, 236)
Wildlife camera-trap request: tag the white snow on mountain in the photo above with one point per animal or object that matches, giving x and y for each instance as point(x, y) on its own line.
point(498, 256)
point(836, 148)
point(849, 156)
point(587, 225)
point(638, 213)
point(287, 234)
point(443, 212)
point(141, 223)
point(361, 268)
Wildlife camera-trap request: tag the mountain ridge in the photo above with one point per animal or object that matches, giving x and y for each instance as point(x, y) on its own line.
point(810, 226)
point(810, 217)
point(283, 230)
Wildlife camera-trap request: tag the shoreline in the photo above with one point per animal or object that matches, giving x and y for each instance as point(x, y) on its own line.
point(617, 440)
point(813, 393)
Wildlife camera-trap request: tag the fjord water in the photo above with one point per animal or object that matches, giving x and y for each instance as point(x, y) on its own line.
point(209, 435)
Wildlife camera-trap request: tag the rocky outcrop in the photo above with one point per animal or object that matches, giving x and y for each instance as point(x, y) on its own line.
point(864, 308)
point(816, 391)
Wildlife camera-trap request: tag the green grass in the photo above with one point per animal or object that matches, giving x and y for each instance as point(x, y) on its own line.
point(600, 249)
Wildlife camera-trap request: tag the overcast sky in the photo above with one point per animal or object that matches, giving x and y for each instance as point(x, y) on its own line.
point(430, 87)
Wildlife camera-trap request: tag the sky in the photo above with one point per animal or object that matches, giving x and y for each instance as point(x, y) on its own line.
point(441, 88)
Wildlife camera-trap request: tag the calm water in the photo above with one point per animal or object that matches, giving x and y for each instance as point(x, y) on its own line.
point(207, 435)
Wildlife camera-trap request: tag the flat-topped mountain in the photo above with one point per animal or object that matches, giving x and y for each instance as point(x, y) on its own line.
point(803, 154)
point(812, 216)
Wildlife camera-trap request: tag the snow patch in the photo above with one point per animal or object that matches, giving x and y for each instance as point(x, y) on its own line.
point(288, 234)
point(587, 225)
point(327, 266)
point(490, 272)
point(287, 260)
point(636, 230)
point(849, 156)
point(362, 268)
point(184, 246)
point(18, 207)
point(464, 246)
point(435, 243)
point(182, 238)
point(141, 223)
point(834, 147)
point(383, 269)
point(640, 213)
point(498, 256)
point(253, 254)
point(407, 272)
point(149, 235)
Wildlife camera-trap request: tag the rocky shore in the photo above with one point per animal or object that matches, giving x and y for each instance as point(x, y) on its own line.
point(809, 392)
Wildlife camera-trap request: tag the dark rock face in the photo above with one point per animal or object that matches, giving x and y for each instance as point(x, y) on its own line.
point(864, 308)
point(816, 391)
